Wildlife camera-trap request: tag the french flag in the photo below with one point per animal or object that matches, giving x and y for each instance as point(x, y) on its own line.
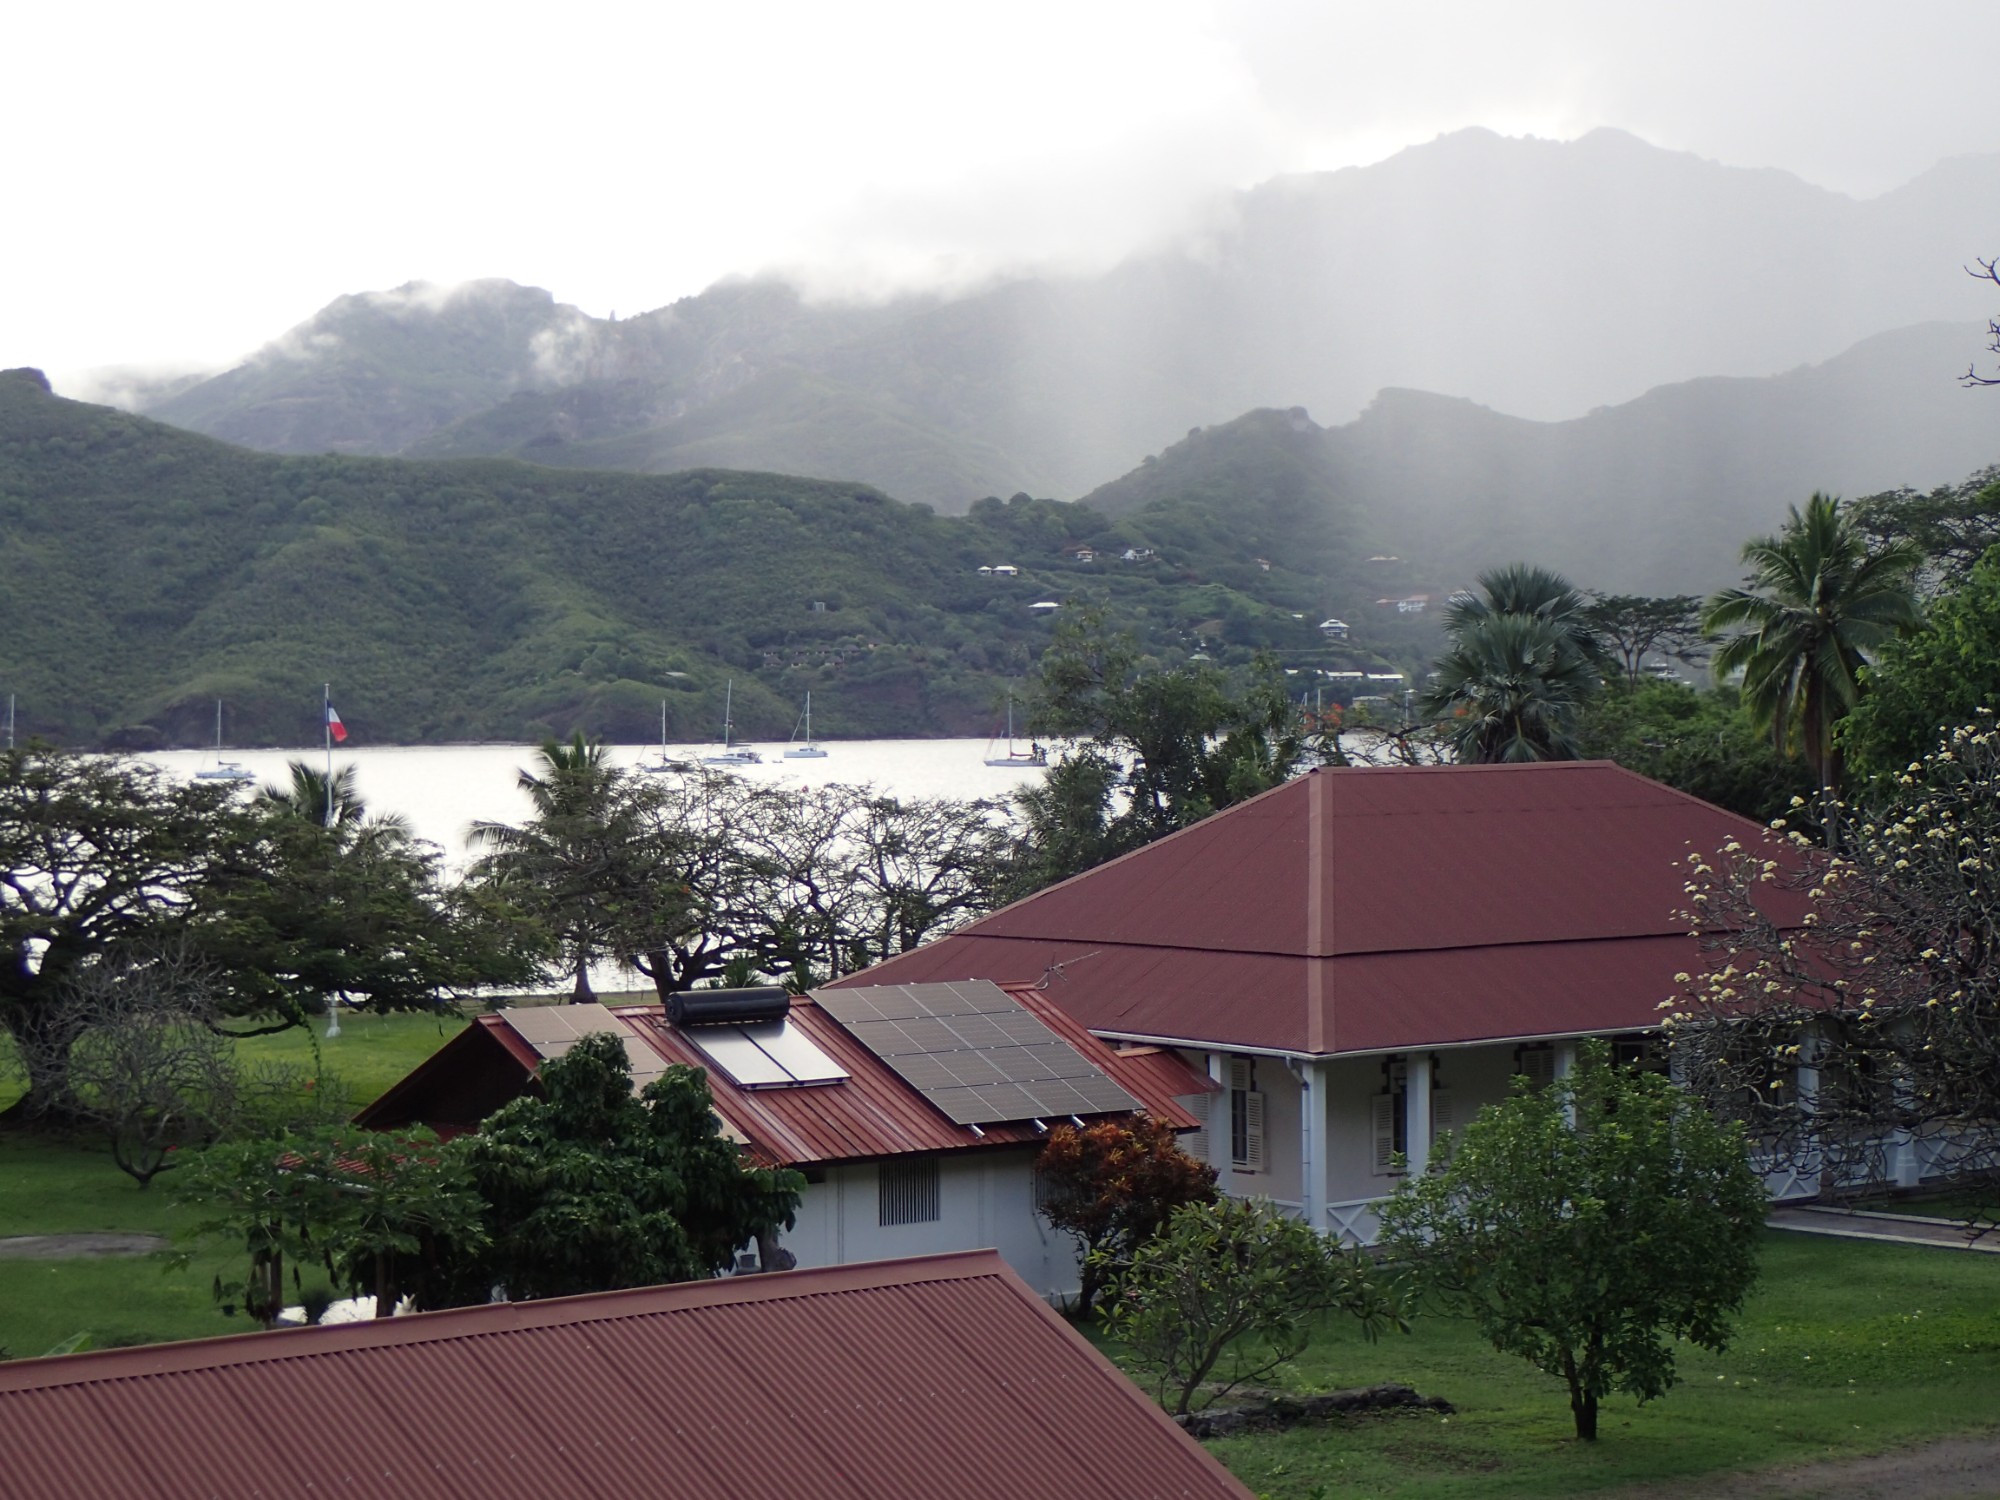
point(334, 727)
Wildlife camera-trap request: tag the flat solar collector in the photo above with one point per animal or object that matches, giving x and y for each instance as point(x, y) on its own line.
point(976, 1053)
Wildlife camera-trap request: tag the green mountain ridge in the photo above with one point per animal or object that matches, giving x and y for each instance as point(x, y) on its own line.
point(146, 572)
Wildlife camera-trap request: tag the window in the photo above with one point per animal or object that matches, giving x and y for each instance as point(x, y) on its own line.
point(1537, 1064)
point(907, 1191)
point(1246, 1116)
point(1389, 1119)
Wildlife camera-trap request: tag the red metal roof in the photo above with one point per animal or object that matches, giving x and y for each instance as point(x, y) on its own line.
point(1371, 909)
point(871, 1113)
point(939, 1376)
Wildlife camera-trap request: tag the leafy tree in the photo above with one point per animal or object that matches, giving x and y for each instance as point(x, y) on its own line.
point(590, 1187)
point(1114, 1185)
point(1511, 688)
point(1700, 741)
point(1586, 1227)
point(1955, 524)
point(1179, 743)
point(376, 1210)
point(1819, 601)
point(1873, 1019)
point(97, 859)
point(1932, 677)
point(146, 1063)
point(317, 797)
point(1632, 627)
point(1229, 1292)
point(1524, 589)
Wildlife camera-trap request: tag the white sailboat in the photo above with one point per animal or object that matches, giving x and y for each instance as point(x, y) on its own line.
point(666, 762)
point(731, 754)
point(223, 770)
point(805, 749)
point(1034, 755)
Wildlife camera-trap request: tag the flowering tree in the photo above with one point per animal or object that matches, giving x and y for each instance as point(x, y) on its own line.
point(1867, 1023)
point(1114, 1186)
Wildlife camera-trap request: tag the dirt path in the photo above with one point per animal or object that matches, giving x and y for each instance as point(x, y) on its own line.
point(69, 1246)
point(1961, 1468)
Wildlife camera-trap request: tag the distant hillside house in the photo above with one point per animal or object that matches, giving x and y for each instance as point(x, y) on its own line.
point(1082, 554)
point(1333, 630)
point(893, 1165)
point(1364, 956)
point(937, 1376)
point(1138, 554)
point(1004, 570)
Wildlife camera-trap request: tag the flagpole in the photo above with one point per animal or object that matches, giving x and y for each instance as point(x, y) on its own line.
point(326, 728)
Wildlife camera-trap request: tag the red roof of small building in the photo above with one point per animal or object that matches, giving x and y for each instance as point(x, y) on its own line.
point(944, 1375)
point(1371, 909)
point(871, 1113)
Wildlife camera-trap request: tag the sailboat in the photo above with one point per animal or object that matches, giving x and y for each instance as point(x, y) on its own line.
point(665, 762)
point(223, 770)
point(1034, 755)
point(731, 754)
point(805, 749)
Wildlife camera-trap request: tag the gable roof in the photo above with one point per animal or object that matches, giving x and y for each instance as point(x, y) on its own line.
point(872, 1113)
point(1371, 909)
point(943, 1375)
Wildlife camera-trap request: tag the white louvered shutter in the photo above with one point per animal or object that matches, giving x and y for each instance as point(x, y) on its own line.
point(1382, 1126)
point(1442, 1118)
point(1253, 1133)
point(1201, 1106)
point(1538, 1066)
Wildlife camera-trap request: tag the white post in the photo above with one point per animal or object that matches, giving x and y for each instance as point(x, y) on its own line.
point(1221, 1119)
point(1562, 1064)
point(1417, 1112)
point(1313, 1197)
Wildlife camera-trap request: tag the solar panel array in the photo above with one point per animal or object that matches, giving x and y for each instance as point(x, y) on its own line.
point(766, 1054)
point(975, 1052)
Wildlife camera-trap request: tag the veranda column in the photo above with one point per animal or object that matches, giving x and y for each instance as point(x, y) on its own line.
point(1417, 1112)
point(1219, 1119)
point(1313, 1199)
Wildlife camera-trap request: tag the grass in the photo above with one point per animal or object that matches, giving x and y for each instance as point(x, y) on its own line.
point(69, 1186)
point(1846, 1348)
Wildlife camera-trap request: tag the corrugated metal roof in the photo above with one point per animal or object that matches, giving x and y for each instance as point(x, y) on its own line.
point(873, 1112)
point(1371, 909)
point(940, 1376)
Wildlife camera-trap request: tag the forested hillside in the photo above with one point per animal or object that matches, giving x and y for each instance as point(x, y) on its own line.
point(146, 571)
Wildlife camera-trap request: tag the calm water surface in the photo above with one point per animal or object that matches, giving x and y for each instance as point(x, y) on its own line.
point(444, 789)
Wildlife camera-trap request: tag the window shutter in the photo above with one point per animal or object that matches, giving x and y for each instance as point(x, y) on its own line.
point(1382, 1125)
point(1239, 1074)
point(1253, 1135)
point(1538, 1066)
point(1201, 1106)
point(1441, 1116)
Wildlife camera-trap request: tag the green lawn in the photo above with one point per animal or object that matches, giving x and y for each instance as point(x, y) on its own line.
point(1847, 1347)
point(52, 1187)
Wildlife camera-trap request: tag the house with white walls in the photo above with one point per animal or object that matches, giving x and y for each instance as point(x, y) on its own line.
point(1361, 958)
point(914, 1112)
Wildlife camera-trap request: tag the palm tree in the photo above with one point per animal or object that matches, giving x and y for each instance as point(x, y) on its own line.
point(557, 864)
point(1819, 601)
point(1524, 589)
point(331, 803)
point(1511, 687)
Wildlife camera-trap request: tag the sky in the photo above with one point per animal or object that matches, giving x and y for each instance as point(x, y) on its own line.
point(184, 183)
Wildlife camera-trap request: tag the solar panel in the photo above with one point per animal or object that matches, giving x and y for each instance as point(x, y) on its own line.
point(764, 1055)
point(553, 1029)
point(975, 1052)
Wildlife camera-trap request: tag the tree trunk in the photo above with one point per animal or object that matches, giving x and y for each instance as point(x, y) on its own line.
point(1584, 1408)
point(582, 993)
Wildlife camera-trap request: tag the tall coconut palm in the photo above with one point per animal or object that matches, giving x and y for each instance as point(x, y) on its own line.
point(1511, 687)
point(1819, 601)
point(558, 863)
point(330, 802)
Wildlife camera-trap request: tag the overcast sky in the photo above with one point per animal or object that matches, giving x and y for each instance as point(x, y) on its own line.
point(184, 182)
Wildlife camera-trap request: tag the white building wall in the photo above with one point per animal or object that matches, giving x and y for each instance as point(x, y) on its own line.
point(986, 1201)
